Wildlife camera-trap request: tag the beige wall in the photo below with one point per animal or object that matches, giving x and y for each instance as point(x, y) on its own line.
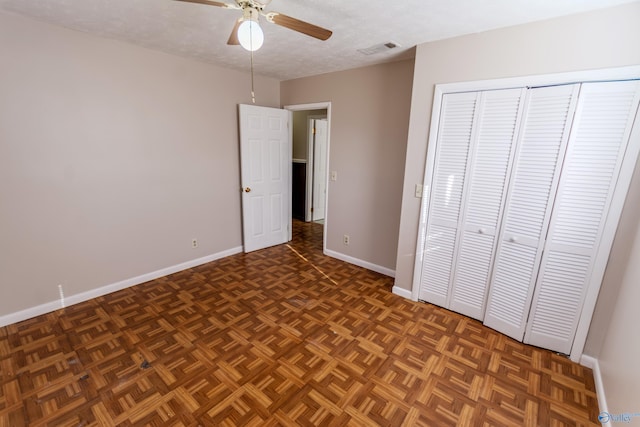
point(112, 158)
point(600, 39)
point(620, 352)
point(621, 258)
point(369, 120)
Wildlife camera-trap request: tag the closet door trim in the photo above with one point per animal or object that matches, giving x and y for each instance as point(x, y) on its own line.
point(426, 193)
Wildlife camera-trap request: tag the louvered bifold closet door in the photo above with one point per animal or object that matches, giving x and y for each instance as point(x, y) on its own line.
point(539, 154)
point(599, 137)
point(499, 114)
point(450, 168)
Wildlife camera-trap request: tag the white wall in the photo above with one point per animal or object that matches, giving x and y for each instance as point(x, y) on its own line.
point(112, 158)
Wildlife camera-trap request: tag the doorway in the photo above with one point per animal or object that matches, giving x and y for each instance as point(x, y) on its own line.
point(310, 158)
point(316, 177)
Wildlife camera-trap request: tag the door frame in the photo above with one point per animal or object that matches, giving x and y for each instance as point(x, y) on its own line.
point(308, 215)
point(319, 106)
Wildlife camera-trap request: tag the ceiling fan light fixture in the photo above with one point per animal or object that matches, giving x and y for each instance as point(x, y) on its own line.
point(250, 35)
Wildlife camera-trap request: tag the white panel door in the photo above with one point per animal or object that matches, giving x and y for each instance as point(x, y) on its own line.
point(320, 135)
point(498, 122)
point(455, 132)
point(599, 137)
point(265, 157)
point(538, 159)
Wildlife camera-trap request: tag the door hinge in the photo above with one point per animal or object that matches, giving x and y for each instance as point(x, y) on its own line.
point(313, 131)
point(311, 209)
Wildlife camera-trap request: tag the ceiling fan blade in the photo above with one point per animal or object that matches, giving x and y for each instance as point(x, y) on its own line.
point(233, 37)
point(212, 3)
point(298, 25)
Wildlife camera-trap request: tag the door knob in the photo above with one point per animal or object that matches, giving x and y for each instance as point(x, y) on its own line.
point(512, 239)
point(247, 190)
point(481, 230)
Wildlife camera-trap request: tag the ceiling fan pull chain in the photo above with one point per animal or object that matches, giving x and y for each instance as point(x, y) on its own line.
point(253, 94)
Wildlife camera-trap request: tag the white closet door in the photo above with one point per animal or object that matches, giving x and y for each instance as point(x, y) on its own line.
point(539, 154)
point(498, 120)
point(450, 168)
point(599, 136)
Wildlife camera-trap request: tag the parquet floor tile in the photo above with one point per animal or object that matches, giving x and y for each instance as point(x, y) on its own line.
point(279, 337)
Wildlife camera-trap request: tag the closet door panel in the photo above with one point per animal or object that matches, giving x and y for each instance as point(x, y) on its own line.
point(557, 300)
point(472, 272)
point(436, 268)
point(508, 298)
point(599, 136)
point(497, 125)
point(538, 159)
point(450, 169)
point(498, 119)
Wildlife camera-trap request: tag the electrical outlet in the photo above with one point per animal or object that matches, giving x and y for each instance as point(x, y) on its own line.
point(418, 192)
point(334, 175)
point(194, 243)
point(345, 239)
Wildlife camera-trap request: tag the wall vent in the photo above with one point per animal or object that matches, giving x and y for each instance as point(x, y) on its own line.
point(379, 48)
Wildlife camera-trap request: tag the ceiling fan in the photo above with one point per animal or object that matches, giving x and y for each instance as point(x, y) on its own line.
point(247, 31)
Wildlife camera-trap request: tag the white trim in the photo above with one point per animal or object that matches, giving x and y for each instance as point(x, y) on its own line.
point(404, 293)
point(426, 192)
point(290, 171)
point(311, 168)
point(48, 307)
point(308, 215)
point(621, 73)
point(594, 365)
point(360, 263)
point(319, 106)
point(588, 361)
point(312, 106)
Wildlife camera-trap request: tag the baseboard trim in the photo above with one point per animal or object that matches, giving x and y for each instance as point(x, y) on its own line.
point(48, 307)
point(402, 292)
point(360, 263)
point(594, 365)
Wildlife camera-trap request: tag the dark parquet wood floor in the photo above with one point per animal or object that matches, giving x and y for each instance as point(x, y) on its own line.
point(282, 336)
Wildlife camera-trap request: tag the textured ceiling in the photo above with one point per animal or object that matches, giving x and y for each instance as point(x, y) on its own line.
point(201, 32)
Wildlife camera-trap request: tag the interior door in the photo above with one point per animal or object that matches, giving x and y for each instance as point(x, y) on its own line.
point(539, 154)
point(595, 153)
point(265, 161)
point(319, 168)
point(455, 133)
point(498, 122)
